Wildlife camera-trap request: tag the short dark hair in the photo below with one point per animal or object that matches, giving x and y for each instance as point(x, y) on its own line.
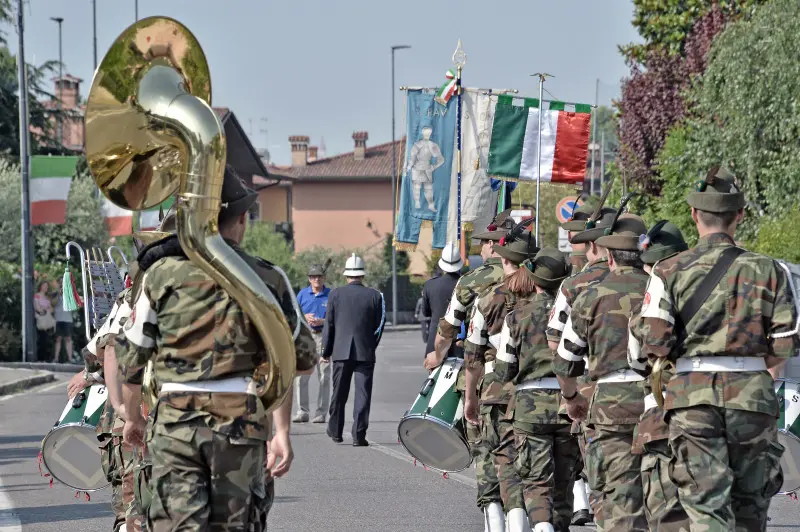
point(717, 220)
point(227, 221)
point(626, 257)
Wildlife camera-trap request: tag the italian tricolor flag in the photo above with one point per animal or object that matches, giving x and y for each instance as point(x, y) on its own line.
point(50, 181)
point(515, 141)
point(149, 219)
point(119, 221)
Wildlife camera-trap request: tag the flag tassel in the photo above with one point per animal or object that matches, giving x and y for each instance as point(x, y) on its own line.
point(70, 297)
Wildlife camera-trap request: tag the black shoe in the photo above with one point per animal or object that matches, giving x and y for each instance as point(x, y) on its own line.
point(336, 439)
point(360, 443)
point(581, 517)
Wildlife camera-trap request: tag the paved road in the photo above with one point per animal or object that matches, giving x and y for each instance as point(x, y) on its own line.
point(331, 487)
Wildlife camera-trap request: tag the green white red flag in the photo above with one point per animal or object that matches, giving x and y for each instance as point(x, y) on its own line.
point(515, 141)
point(119, 221)
point(447, 90)
point(50, 181)
point(149, 219)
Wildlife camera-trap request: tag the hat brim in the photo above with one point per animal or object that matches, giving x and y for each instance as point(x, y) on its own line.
point(574, 225)
point(450, 267)
point(656, 254)
point(589, 235)
point(509, 254)
point(494, 236)
point(315, 273)
point(355, 273)
point(716, 202)
point(548, 284)
point(239, 206)
point(620, 242)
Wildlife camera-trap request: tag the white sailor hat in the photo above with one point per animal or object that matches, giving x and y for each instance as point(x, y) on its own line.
point(354, 267)
point(450, 261)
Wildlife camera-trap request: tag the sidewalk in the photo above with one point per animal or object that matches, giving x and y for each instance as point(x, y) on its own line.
point(13, 380)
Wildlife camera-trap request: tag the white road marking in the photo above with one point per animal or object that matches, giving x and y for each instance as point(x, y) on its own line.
point(458, 477)
point(9, 520)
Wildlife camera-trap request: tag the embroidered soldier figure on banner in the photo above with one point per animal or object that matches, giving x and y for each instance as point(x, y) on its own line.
point(424, 159)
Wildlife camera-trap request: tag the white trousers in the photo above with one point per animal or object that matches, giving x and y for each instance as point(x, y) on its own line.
point(323, 373)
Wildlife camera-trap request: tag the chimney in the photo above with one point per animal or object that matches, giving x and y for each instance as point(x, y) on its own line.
point(299, 149)
point(68, 89)
point(312, 153)
point(360, 138)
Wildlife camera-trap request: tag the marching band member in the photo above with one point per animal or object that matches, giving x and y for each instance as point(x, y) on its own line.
point(727, 343)
point(547, 452)
point(595, 270)
point(468, 288)
point(480, 348)
point(207, 438)
point(662, 508)
point(598, 329)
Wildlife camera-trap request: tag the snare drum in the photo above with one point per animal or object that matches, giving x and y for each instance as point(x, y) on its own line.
point(788, 391)
point(71, 451)
point(432, 430)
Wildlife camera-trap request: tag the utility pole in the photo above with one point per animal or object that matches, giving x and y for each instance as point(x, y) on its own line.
point(28, 329)
point(136, 9)
point(94, 31)
point(594, 132)
point(394, 196)
point(60, 85)
point(602, 158)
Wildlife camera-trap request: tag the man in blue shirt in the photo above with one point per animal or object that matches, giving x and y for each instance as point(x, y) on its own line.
point(313, 301)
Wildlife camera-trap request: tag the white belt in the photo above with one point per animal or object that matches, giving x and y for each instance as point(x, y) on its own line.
point(488, 367)
point(722, 364)
point(232, 385)
point(650, 402)
point(622, 375)
point(545, 383)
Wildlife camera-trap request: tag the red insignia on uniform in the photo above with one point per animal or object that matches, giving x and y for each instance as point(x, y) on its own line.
point(552, 312)
point(133, 316)
point(471, 326)
point(646, 302)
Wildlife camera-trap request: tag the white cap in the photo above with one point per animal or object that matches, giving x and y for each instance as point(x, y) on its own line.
point(451, 258)
point(354, 267)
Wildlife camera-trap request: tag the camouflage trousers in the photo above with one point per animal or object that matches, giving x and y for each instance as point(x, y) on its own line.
point(205, 480)
point(661, 506)
point(482, 439)
point(546, 462)
point(614, 475)
point(726, 465)
point(505, 456)
point(119, 464)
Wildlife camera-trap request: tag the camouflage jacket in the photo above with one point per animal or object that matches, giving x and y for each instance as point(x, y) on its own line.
point(750, 314)
point(598, 329)
point(592, 273)
point(195, 331)
point(483, 339)
point(468, 288)
point(578, 261)
point(91, 361)
point(523, 355)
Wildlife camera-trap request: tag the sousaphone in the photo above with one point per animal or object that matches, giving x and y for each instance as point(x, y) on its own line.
point(151, 132)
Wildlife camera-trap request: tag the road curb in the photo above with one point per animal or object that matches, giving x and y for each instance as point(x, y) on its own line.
point(44, 366)
point(26, 382)
point(401, 328)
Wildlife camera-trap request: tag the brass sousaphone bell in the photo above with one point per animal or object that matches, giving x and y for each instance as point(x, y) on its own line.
point(151, 132)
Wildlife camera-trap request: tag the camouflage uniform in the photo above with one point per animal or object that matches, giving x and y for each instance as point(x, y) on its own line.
point(480, 348)
point(207, 449)
point(598, 328)
point(481, 439)
point(547, 453)
point(722, 426)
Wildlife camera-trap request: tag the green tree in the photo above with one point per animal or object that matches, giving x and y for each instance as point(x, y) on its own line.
point(778, 237)
point(261, 240)
point(403, 262)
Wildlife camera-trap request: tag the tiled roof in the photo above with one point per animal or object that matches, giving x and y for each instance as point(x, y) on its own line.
point(377, 163)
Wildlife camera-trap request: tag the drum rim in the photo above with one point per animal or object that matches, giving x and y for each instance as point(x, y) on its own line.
point(443, 424)
point(44, 457)
point(787, 379)
point(793, 436)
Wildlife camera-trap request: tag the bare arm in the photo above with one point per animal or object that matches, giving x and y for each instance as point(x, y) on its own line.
point(113, 384)
point(775, 365)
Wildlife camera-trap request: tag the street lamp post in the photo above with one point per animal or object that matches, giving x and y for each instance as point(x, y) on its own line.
point(60, 85)
point(94, 31)
point(394, 196)
point(136, 9)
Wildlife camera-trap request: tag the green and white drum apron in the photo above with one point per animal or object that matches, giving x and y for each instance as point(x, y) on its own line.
point(788, 391)
point(432, 430)
point(70, 451)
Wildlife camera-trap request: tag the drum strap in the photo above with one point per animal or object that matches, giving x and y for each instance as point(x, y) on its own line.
point(709, 282)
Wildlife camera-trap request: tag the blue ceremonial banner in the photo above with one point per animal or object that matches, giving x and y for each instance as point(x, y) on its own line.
point(427, 168)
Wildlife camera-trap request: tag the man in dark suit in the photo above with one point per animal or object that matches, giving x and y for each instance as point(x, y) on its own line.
point(436, 294)
point(353, 329)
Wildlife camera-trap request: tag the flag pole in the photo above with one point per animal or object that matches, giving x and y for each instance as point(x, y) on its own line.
point(542, 76)
point(459, 60)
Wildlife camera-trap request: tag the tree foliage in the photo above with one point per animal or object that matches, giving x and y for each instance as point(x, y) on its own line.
point(778, 237)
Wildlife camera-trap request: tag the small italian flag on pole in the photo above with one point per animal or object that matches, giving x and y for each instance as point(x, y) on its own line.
point(515, 141)
point(119, 221)
point(149, 219)
point(447, 90)
point(50, 181)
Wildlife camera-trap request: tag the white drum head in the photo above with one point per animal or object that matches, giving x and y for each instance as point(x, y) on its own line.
point(434, 444)
point(71, 453)
point(790, 462)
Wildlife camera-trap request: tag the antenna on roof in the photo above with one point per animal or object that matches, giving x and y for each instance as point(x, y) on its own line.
point(321, 149)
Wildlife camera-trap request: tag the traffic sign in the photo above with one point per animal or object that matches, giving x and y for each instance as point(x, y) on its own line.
point(565, 207)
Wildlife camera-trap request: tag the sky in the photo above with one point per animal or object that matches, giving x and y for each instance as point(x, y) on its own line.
point(322, 68)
